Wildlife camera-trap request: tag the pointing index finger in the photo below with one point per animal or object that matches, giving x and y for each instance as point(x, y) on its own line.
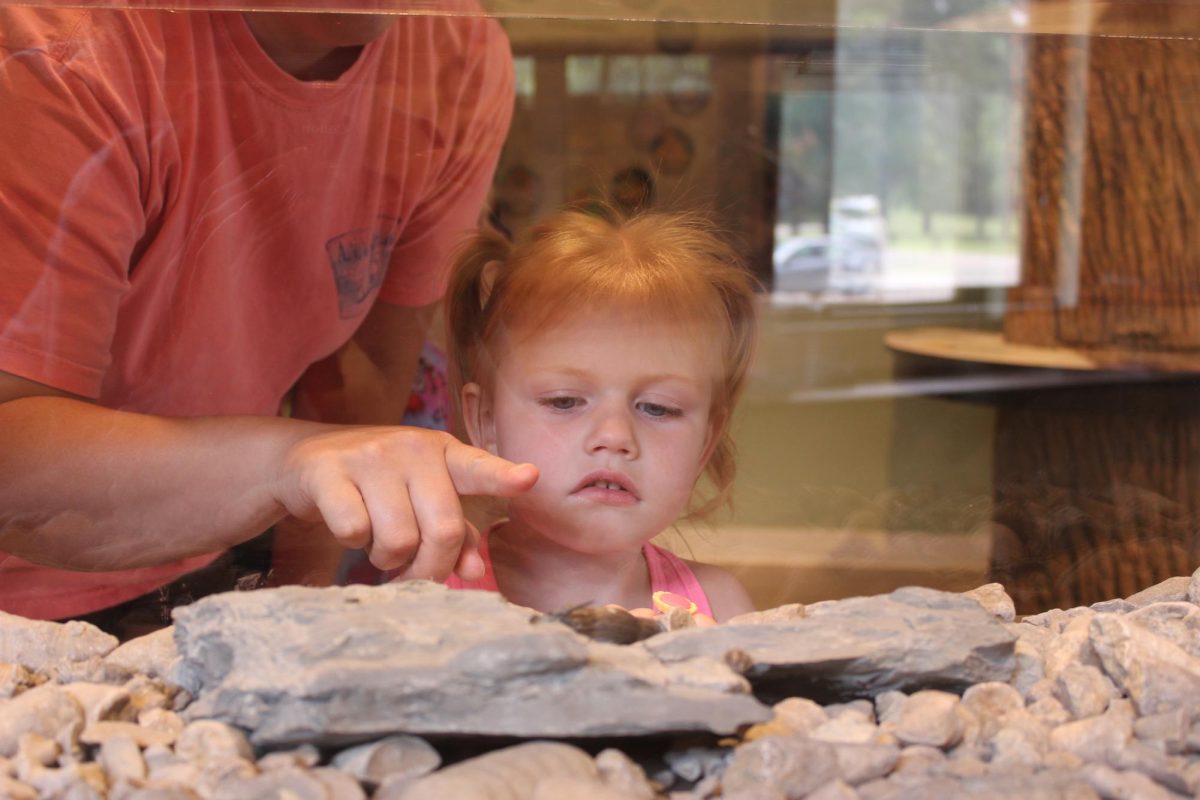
point(478, 472)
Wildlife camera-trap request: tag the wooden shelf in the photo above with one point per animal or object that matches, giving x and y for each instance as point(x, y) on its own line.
point(985, 347)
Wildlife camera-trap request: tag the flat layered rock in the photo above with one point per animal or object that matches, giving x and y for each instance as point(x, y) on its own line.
point(40, 645)
point(911, 639)
point(337, 665)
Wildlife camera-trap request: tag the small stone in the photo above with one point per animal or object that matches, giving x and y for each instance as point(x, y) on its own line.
point(888, 706)
point(122, 760)
point(98, 732)
point(162, 720)
point(988, 704)
point(1012, 747)
point(799, 714)
point(1113, 607)
point(303, 757)
point(34, 752)
point(1072, 646)
point(848, 728)
point(966, 766)
point(557, 787)
point(1050, 712)
point(46, 710)
point(793, 765)
point(929, 717)
point(293, 784)
point(153, 655)
point(207, 739)
point(859, 763)
point(1084, 690)
point(862, 709)
point(1030, 666)
point(371, 763)
point(919, 759)
point(75, 781)
point(338, 784)
point(994, 600)
point(1112, 783)
point(1168, 730)
point(515, 770)
point(620, 772)
point(834, 790)
point(100, 701)
point(694, 763)
point(13, 789)
point(677, 619)
point(1095, 738)
point(159, 755)
point(15, 679)
point(1193, 590)
point(146, 693)
point(1062, 760)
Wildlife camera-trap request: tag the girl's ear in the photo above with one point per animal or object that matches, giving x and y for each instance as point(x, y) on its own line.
point(477, 416)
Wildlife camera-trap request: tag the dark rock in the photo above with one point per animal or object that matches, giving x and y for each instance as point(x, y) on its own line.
point(910, 639)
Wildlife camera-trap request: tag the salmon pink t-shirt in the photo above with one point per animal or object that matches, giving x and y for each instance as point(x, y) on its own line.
point(185, 227)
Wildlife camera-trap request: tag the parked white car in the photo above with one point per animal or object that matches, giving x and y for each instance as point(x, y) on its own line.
point(802, 264)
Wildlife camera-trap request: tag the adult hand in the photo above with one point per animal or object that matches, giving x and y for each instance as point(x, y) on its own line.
point(395, 492)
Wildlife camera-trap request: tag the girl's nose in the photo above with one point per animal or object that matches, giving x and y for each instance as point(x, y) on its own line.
point(613, 432)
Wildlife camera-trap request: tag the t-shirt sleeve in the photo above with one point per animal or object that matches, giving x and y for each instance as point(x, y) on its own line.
point(70, 215)
point(419, 266)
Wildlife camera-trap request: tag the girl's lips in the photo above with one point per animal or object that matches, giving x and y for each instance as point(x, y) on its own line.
point(606, 496)
point(608, 486)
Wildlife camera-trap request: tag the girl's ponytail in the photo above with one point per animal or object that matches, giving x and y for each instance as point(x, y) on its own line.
point(466, 300)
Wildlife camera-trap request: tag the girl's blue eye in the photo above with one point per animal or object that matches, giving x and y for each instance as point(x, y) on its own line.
point(658, 410)
point(561, 403)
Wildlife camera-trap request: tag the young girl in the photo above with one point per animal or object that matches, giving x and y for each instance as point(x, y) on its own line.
point(608, 352)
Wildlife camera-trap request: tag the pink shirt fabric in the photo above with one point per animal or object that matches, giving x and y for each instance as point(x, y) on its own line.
point(668, 573)
point(186, 227)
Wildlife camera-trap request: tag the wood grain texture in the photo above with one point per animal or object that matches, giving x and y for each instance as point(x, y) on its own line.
point(1111, 251)
point(1096, 487)
point(1096, 492)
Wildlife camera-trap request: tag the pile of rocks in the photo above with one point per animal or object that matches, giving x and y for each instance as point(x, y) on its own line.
point(380, 691)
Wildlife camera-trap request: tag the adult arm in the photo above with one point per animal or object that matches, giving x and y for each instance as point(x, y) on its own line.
point(84, 487)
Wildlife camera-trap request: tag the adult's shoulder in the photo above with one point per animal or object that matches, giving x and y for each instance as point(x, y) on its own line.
point(71, 34)
point(461, 29)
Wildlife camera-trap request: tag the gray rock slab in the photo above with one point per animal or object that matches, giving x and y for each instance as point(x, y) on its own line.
point(911, 639)
point(340, 665)
point(41, 645)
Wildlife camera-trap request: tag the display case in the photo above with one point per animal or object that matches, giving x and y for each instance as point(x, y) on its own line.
point(969, 226)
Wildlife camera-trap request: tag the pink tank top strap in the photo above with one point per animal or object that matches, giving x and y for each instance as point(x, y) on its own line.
point(670, 573)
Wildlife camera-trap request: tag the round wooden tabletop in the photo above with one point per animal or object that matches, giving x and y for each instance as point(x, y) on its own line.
point(987, 347)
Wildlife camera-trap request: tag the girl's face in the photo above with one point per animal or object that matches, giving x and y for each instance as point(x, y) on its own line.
point(614, 409)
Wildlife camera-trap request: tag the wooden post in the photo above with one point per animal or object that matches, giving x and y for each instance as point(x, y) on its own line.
point(1097, 489)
